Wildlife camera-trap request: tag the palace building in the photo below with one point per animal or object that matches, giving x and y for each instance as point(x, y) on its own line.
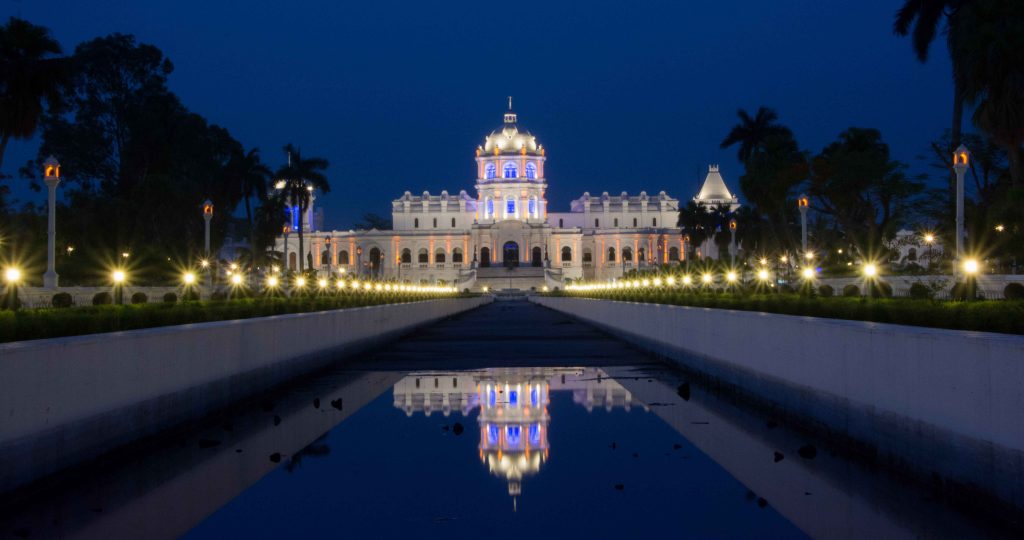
point(504, 236)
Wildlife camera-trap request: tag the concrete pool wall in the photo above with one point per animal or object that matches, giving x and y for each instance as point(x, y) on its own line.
point(67, 400)
point(930, 398)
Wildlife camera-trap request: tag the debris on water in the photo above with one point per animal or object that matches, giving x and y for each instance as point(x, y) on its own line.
point(613, 445)
point(275, 457)
point(619, 487)
point(772, 424)
point(445, 428)
point(458, 428)
point(779, 457)
point(316, 403)
point(761, 503)
point(677, 446)
point(277, 420)
point(336, 403)
point(807, 493)
point(807, 451)
point(636, 454)
point(684, 391)
point(208, 443)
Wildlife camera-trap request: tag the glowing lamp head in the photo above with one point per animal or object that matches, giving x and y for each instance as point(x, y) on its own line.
point(207, 208)
point(300, 282)
point(687, 280)
point(762, 275)
point(119, 276)
point(763, 261)
point(971, 266)
point(731, 277)
point(236, 279)
point(961, 157)
point(204, 263)
point(870, 270)
point(670, 281)
point(1000, 228)
point(189, 278)
point(929, 238)
point(272, 281)
point(322, 283)
point(808, 273)
point(12, 275)
point(809, 255)
point(706, 278)
point(803, 202)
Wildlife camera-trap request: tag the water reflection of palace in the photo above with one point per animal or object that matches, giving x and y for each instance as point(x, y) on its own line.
point(513, 403)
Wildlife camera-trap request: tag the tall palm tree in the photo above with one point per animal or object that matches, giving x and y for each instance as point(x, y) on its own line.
point(751, 132)
point(29, 76)
point(250, 175)
point(299, 179)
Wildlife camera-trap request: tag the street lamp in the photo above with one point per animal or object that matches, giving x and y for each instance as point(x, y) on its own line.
point(971, 269)
point(51, 175)
point(870, 271)
point(803, 202)
point(929, 240)
point(12, 276)
point(732, 241)
point(118, 277)
point(961, 159)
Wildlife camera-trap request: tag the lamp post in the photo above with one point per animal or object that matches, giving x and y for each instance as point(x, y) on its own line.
point(207, 216)
point(929, 239)
point(960, 161)
point(803, 202)
point(12, 276)
point(732, 242)
point(359, 260)
point(51, 175)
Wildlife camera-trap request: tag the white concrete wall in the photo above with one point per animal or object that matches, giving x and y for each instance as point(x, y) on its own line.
point(967, 383)
point(67, 399)
point(990, 285)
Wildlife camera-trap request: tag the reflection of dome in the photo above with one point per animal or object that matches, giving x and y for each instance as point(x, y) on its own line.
point(514, 466)
point(510, 140)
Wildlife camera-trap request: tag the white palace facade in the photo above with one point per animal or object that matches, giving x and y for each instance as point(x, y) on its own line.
point(503, 236)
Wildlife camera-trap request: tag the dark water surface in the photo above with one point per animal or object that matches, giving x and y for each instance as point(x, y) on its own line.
point(507, 421)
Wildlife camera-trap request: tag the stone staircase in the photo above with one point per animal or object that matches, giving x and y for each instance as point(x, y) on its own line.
point(498, 278)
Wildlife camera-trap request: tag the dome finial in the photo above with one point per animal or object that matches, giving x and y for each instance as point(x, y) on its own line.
point(510, 117)
point(510, 103)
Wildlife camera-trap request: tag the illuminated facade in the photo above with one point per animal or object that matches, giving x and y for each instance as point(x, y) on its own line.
point(514, 409)
point(503, 236)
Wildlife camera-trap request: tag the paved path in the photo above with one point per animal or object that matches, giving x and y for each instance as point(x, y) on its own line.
point(508, 333)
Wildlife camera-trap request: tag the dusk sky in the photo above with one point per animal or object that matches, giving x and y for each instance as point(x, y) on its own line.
point(625, 96)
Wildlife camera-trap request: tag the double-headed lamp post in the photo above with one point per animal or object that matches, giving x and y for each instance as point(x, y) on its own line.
point(51, 175)
point(803, 202)
point(961, 159)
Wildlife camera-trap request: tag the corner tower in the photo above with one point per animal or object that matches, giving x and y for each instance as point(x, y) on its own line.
point(510, 175)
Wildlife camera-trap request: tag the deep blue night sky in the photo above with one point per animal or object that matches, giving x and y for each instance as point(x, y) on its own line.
point(624, 95)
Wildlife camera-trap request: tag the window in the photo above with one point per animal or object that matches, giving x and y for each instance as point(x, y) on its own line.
point(634, 222)
point(510, 170)
point(453, 223)
point(627, 254)
point(654, 222)
point(510, 207)
point(597, 223)
point(531, 171)
point(490, 208)
point(439, 256)
point(406, 255)
point(616, 222)
point(435, 223)
point(566, 254)
point(416, 223)
point(532, 206)
point(588, 256)
point(673, 254)
point(490, 171)
point(424, 257)
point(343, 257)
point(457, 255)
point(611, 254)
point(560, 224)
point(325, 257)
point(641, 255)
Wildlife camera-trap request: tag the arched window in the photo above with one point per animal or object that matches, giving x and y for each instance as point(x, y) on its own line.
point(627, 254)
point(597, 222)
point(654, 222)
point(634, 222)
point(457, 255)
point(560, 223)
point(566, 254)
point(291, 260)
point(510, 170)
point(489, 210)
point(588, 256)
point(439, 255)
point(616, 222)
point(531, 170)
point(510, 207)
point(424, 255)
point(343, 257)
point(406, 255)
point(453, 223)
point(611, 254)
point(416, 223)
point(641, 255)
point(490, 171)
point(325, 257)
point(533, 206)
point(435, 223)
point(673, 254)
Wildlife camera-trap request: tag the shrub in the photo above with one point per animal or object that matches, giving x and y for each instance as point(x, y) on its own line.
point(920, 291)
point(218, 296)
point(1013, 291)
point(170, 298)
point(62, 300)
point(139, 298)
point(102, 299)
point(826, 291)
point(785, 289)
point(964, 291)
point(851, 290)
point(880, 289)
point(189, 296)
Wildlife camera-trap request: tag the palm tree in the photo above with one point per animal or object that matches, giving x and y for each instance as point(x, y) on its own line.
point(751, 132)
point(29, 76)
point(250, 175)
point(298, 179)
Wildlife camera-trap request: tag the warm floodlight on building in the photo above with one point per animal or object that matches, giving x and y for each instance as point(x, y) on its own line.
point(544, 288)
point(784, 259)
point(12, 275)
point(189, 278)
point(971, 266)
point(486, 288)
point(870, 270)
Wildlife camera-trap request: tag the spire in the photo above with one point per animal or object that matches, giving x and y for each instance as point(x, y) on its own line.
point(510, 117)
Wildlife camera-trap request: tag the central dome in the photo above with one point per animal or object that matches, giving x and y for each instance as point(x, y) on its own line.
point(510, 140)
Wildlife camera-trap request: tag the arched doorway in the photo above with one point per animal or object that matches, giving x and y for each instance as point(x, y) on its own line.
point(375, 260)
point(510, 254)
point(535, 257)
point(485, 257)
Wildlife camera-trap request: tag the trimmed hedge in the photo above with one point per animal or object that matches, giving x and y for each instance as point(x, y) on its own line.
point(170, 298)
point(42, 323)
point(920, 291)
point(139, 298)
point(989, 316)
point(1013, 291)
point(851, 291)
point(826, 291)
point(62, 300)
point(102, 299)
